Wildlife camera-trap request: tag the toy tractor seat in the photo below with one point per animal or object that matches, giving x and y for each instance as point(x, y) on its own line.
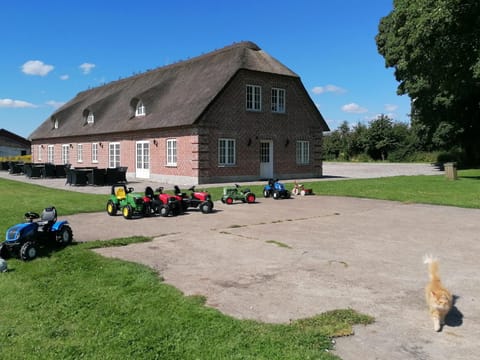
point(48, 218)
point(120, 193)
point(149, 192)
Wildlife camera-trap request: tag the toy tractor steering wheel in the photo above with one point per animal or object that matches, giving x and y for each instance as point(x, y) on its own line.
point(31, 215)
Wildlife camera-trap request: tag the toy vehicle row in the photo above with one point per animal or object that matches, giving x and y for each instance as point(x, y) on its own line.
point(152, 203)
point(24, 240)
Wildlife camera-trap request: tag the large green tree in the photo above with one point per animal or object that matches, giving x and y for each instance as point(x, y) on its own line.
point(434, 48)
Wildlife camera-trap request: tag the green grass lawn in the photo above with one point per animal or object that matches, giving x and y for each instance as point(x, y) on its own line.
point(75, 304)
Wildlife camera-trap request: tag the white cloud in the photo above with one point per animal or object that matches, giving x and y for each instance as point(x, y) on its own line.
point(64, 77)
point(328, 88)
point(9, 103)
point(87, 68)
point(354, 108)
point(55, 104)
point(391, 107)
point(36, 67)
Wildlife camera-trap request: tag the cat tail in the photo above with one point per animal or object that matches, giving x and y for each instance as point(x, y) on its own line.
point(432, 266)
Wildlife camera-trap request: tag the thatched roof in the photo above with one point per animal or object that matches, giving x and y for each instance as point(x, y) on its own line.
point(174, 95)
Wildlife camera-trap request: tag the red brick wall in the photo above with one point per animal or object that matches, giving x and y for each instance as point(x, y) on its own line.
point(228, 118)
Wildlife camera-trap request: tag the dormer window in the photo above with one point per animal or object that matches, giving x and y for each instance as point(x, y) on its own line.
point(140, 109)
point(88, 117)
point(55, 123)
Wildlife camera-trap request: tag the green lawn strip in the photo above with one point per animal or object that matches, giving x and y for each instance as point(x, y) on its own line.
point(78, 304)
point(427, 189)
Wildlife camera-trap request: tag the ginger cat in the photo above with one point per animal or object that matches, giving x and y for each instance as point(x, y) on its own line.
point(439, 299)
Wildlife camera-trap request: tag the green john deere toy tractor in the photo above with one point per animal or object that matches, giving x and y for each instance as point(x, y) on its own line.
point(129, 203)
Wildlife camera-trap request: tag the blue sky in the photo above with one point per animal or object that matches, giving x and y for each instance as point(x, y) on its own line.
point(53, 49)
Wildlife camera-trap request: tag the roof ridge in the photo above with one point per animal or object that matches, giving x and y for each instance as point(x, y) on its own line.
point(242, 44)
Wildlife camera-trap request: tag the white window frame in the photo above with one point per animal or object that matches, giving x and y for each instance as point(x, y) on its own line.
point(113, 154)
point(171, 152)
point(51, 154)
point(226, 152)
point(303, 152)
point(55, 124)
point(65, 153)
point(80, 153)
point(140, 109)
point(278, 100)
point(39, 155)
point(94, 152)
point(90, 118)
point(253, 98)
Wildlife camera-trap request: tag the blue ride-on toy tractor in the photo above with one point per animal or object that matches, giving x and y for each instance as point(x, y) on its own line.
point(276, 189)
point(25, 239)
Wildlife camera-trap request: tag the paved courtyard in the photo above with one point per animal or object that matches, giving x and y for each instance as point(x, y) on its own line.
point(277, 260)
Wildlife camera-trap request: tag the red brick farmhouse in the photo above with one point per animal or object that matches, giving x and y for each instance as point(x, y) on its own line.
point(235, 114)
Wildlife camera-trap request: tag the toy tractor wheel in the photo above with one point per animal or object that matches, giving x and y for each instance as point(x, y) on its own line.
point(229, 200)
point(4, 252)
point(28, 251)
point(127, 212)
point(111, 208)
point(206, 207)
point(276, 195)
point(250, 198)
point(266, 193)
point(164, 210)
point(65, 235)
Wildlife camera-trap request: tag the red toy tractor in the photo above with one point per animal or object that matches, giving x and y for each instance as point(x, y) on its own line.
point(161, 203)
point(197, 199)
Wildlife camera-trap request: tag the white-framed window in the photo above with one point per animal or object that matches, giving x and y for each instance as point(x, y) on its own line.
point(90, 118)
point(39, 150)
point(171, 152)
point(55, 124)
point(226, 152)
point(278, 100)
point(140, 109)
point(254, 98)
point(50, 153)
point(303, 152)
point(113, 155)
point(94, 152)
point(65, 153)
point(79, 153)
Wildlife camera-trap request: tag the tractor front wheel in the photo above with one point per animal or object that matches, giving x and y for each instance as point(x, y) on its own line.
point(276, 195)
point(127, 212)
point(111, 208)
point(4, 252)
point(266, 193)
point(65, 235)
point(250, 198)
point(229, 200)
point(28, 251)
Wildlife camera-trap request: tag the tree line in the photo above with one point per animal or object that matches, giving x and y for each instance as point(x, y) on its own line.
point(383, 139)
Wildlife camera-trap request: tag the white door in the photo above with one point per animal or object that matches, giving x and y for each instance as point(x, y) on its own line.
point(143, 160)
point(266, 159)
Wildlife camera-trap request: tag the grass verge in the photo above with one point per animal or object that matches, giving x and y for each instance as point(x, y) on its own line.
point(77, 304)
